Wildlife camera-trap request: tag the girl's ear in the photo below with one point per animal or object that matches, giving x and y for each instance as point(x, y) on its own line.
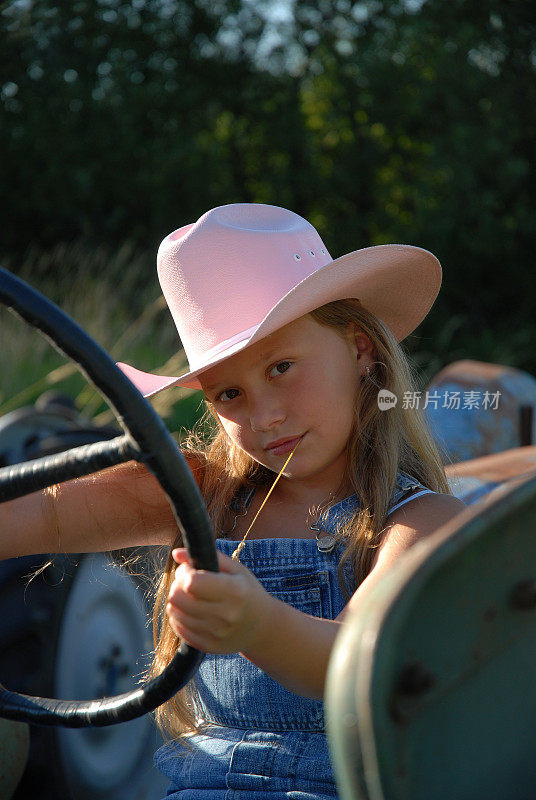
point(362, 343)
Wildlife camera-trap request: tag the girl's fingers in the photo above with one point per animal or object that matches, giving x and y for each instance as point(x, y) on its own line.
point(207, 585)
point(189, 634)
point(180, 555)
point(203, 586)
point(196, 631)
point(185, 602)
point(187, 621)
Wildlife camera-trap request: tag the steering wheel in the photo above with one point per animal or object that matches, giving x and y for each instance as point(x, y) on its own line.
point(146, 439)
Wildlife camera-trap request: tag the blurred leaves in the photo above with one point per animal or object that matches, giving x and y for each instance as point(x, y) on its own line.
point(380, 121)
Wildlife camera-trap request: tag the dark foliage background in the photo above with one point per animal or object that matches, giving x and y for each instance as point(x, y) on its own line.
point(380, 121)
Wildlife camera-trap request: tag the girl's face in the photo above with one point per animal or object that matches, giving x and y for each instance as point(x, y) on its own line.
point(297, 385)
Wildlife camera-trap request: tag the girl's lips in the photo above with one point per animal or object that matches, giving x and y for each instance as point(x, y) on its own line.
point(284, 446)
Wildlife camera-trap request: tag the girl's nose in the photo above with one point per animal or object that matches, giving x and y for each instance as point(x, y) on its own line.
point(265, 413)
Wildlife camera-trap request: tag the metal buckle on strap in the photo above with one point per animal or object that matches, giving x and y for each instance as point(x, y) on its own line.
point(324, 541)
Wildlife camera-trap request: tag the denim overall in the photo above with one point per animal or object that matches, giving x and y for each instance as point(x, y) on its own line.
point(256, 739)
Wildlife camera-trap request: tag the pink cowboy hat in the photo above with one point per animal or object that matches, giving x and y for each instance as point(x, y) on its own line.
point(244, 270)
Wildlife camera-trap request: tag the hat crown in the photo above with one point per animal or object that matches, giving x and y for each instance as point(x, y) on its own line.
point(222, 275)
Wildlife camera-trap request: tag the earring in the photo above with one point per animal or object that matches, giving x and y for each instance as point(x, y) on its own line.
point(364, 377)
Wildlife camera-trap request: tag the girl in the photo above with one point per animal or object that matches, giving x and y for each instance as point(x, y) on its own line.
point(290, 349)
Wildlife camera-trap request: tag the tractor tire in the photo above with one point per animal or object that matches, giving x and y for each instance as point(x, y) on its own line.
point(78, 631)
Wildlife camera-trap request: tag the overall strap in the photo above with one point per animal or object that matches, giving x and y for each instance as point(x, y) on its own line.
point(408, 488)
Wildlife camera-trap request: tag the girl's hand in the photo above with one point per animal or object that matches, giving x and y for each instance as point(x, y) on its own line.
point(217, 612)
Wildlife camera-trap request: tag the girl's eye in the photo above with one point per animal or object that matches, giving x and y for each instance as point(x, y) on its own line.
point(280, 368)
point(227, 394)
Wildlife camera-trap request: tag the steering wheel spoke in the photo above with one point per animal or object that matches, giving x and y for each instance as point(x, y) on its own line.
point(21, 479)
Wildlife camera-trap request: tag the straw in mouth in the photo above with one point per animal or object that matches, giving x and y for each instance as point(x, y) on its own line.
point(236, 552)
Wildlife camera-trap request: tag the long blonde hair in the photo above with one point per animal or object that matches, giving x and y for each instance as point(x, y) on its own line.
point(381, 444)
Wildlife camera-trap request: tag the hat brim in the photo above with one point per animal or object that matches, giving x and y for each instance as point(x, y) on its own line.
point(398, 283)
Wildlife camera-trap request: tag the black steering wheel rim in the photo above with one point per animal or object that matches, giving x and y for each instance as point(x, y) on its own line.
point(146, 440)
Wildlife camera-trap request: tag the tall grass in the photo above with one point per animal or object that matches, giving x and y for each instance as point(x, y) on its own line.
point(116, 298)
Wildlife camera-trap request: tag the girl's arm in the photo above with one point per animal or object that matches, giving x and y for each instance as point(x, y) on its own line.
point(230, 611)
point(295, 648)
point(122, 506)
